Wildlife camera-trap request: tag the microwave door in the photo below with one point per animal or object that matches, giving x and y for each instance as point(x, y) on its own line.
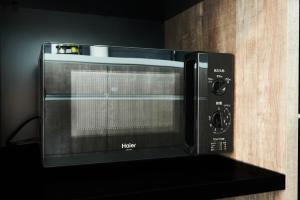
point(107, 107)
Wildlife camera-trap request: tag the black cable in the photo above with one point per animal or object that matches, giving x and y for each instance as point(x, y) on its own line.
point(26, 141)
point(14, 133)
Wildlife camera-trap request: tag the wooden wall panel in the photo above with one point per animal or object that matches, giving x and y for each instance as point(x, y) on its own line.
point(261, 34)
point(182, 32)
point(219, 26)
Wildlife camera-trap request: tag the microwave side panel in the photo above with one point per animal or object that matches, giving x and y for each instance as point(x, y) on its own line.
point(41, 100)
point(45, 48)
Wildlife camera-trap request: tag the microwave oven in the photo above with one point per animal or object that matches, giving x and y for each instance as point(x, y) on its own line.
point(103, 104)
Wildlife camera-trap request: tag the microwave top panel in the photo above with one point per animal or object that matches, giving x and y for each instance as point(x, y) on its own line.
point(113, 54)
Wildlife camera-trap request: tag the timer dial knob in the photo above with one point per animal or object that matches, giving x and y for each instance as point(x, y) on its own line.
point(219, 86)
point(217, 119)
point(220, 121)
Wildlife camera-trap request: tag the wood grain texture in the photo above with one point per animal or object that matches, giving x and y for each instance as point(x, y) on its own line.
point(263, 36)
point(182, 32)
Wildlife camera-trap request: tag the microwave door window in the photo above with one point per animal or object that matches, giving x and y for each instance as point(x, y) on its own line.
point(112, 107)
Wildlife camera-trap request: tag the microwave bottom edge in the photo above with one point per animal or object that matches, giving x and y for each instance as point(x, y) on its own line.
point(111, 157)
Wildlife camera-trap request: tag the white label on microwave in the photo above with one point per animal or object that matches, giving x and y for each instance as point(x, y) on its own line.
point(128, 145)
point(219, 103)
point(219, 70)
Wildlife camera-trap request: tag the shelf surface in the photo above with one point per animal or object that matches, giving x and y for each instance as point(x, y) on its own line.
point(207, 176)
point(153, 10)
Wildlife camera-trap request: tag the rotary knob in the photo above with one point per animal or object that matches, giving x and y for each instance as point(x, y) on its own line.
point(220, 121)
point(219, 86)
point(217, 119)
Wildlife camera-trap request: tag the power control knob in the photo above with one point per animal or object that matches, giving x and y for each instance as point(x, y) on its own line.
point(219, 86)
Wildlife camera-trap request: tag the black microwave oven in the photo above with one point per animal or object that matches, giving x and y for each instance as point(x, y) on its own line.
point(108, 104)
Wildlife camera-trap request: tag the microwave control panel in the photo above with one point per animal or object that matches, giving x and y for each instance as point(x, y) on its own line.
point(220, 102)
point(209, 102)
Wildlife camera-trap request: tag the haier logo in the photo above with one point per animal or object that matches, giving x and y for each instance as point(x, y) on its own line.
point(219, 70)
point(128, 146)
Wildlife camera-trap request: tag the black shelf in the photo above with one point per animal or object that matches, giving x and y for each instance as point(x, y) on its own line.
point(207, 176)
point(153, 10)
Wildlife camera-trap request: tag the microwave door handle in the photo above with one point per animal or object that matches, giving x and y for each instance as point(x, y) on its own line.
point(191, 96)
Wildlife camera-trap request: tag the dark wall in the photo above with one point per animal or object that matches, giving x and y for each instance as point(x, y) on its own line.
point(22, 33)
